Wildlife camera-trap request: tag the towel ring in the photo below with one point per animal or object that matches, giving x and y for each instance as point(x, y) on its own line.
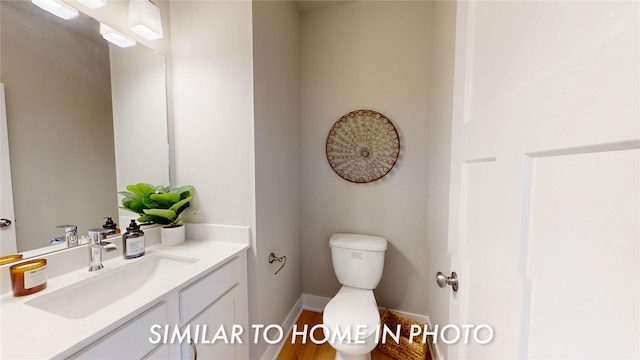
point(273, 258)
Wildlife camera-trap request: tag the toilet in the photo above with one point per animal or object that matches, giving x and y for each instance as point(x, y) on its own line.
point(351, 318)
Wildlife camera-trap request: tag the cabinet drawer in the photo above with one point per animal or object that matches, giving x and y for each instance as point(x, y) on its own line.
point(197, 296)
point(131, 340)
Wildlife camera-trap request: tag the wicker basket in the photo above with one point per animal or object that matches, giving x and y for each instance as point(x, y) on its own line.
point(405, 350)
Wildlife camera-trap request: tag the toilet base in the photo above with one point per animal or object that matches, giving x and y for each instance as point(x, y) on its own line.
point(343, 356)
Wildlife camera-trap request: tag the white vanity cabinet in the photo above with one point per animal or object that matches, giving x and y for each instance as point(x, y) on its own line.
point(201, 307)
point(214, 310)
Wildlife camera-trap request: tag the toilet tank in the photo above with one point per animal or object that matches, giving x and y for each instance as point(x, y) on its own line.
point(358, 260)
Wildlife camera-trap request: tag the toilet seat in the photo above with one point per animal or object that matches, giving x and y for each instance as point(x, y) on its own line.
point(350, 308)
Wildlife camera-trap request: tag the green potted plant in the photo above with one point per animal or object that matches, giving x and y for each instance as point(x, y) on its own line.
point(160, 205)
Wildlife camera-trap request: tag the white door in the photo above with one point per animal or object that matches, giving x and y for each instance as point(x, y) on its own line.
point(8, 231)
point(545, 201)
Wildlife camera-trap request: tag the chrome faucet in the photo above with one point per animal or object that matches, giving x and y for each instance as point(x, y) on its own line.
point(70, 234)
point(96, 245)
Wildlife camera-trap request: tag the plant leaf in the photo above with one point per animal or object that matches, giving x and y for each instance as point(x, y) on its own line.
point(141, 189)
point(165, 200)
point(149, 203)
point(177, 206)
point(126, 208)
point(157, 220)
point(128, 194)
point(143, 219)
point(182, 189)
point(180, 219)
point(134, 205)
point(163, 213)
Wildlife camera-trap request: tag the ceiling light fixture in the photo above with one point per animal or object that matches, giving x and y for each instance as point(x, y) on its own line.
point(144, 19)
point(93, 4)
point(114, 37)
point(56, 8)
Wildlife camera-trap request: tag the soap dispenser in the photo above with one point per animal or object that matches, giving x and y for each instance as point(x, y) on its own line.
point(133, 241)
point(109, 224)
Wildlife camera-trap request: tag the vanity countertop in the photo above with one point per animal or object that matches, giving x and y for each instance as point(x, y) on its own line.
point(28, 332)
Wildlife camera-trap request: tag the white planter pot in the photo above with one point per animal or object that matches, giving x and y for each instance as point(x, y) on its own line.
point(172, 236)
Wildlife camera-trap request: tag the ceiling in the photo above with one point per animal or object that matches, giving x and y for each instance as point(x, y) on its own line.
point(310, 5)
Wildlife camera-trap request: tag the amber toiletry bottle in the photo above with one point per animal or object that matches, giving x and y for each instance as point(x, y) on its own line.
point(109, 224)
point(133, 241)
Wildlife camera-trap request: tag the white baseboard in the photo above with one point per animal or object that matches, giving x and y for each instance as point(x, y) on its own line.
point(273, 351)
point(314, 302)
point(416, 317)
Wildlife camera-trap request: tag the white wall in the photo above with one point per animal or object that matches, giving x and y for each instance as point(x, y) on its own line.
point(373, 55)
point(213, 107)
point(276, 73)
point(439, 152)
point(212, 75)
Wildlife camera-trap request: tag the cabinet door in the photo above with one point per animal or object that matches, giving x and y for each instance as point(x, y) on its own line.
point(196, 297)
point(225, 312)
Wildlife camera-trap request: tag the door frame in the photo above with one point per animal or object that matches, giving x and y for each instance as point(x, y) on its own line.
point(8, 244)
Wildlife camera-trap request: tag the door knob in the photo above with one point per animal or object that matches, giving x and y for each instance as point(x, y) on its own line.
point(5, 222)
point(443, 280)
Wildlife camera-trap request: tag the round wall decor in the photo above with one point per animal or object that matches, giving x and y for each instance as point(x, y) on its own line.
point(363, 146)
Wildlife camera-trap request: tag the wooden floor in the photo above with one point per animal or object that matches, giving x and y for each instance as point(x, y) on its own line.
point(311, 351)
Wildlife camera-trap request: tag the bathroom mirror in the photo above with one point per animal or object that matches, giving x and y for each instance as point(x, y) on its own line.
point(85, 118)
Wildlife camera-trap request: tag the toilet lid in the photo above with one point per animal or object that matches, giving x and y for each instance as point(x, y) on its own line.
point(353, 310)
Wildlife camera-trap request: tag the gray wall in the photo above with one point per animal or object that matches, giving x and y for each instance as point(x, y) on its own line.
point(276, 74)
point(258, 159)
point(373, 55)
point(237, 138)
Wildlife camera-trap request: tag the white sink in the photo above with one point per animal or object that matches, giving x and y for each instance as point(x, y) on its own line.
point(78, 300)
